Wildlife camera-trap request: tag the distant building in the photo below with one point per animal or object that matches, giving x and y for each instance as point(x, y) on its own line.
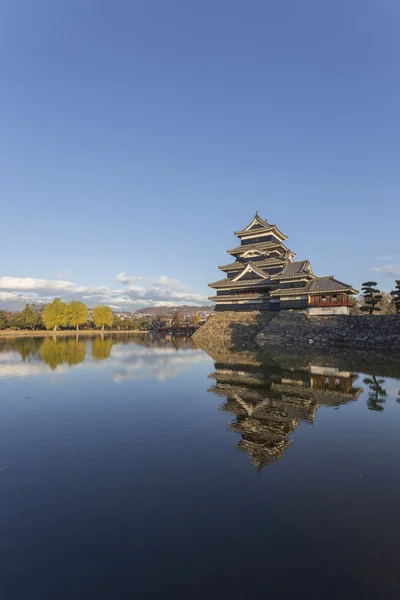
point(264, 276)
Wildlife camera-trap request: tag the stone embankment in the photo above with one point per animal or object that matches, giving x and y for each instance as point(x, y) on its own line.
point(292, 331)
point(232, 329)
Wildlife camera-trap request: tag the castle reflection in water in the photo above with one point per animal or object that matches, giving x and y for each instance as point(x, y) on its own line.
point(269, 401)
point(268, 397)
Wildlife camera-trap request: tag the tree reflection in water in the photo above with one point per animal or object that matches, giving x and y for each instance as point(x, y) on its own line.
point(101, 348)
point(377, 394)
point(26, 347)
point(55, 352)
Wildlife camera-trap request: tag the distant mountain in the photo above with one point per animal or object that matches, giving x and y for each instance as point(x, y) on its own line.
point(15, 302)
point(168, 311)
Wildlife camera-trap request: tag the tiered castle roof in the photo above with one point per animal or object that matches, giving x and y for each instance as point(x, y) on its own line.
point(262, 261)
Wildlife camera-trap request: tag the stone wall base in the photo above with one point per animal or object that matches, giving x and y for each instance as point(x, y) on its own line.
point(293, 330)
point(232, 329)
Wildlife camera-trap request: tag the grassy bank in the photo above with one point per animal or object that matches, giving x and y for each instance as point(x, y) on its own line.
point(62, 333)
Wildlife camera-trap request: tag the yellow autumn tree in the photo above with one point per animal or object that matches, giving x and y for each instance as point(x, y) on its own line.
point(78, 313)
point(102, 316)
point(55, 314)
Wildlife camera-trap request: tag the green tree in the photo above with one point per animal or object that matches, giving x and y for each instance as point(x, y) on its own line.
point(102, 316)
point(371, 297)
point(118, 323)
point(396, 296)
point(101, 349)
point(55, 314)
point(377, 394)
point(3, 319)
point(78, 314)
point(28, 318)
point(28, 347)
point(124, 324)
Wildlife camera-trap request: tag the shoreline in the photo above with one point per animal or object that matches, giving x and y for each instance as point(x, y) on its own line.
point(42, 333)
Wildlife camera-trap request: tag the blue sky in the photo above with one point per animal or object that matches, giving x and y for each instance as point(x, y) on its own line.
point(136, 136)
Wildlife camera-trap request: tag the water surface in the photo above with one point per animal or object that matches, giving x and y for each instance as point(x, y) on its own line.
point(143, 467)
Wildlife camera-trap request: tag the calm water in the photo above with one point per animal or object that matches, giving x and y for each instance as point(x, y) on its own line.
point(144, 468)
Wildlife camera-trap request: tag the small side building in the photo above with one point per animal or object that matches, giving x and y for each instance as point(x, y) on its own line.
point(265, 276)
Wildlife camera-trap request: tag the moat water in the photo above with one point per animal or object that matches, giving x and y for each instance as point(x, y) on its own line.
point(141, 467)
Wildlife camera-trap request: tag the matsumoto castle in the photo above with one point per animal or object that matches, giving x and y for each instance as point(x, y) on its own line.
point(264, 276)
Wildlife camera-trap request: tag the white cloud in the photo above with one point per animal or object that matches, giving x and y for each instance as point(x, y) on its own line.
point(393, 270)
point(161, 363)
point(31, 284)
point(125, 279)
point(15, 291)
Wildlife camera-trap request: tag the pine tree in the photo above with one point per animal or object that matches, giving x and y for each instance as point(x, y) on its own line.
point(396, 296)
point(377, 395)
point(371, 296)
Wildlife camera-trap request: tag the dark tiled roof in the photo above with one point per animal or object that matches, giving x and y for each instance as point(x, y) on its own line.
point(329, 284)
point(256, 230)
point(259, 231)
point(316, 286)
point(259, 221)
point(236, 297)
point(294, 269)
point(291, 291)
point(240, 283)
point(262, 246)
point(238, 266)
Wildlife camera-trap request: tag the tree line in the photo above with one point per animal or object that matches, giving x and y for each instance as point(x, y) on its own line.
point(57, 315)
point(73, 315)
